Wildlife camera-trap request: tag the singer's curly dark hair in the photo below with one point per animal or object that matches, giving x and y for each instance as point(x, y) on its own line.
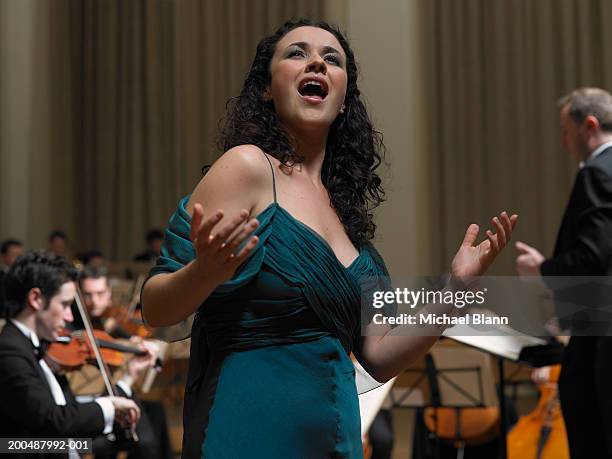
point(34, 269)
point(354, 148)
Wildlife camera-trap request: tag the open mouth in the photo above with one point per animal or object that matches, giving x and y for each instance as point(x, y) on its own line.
point(313, 88)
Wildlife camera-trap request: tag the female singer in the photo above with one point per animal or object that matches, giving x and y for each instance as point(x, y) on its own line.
point(277, 295)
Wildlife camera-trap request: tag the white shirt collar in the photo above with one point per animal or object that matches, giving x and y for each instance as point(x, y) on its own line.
point(56, 391)
point(54, 387)
point(599, 150)
point(27, 331)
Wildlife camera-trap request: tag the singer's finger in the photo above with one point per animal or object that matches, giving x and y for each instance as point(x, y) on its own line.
point(471, 235)
point(196, 220)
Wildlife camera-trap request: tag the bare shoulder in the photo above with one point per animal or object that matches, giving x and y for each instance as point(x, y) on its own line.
point(237, 180)
point(244, 160)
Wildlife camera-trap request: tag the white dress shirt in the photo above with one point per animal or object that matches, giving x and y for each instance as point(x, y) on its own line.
point(58, 395)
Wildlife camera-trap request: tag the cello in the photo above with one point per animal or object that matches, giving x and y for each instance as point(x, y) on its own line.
point(541, 433)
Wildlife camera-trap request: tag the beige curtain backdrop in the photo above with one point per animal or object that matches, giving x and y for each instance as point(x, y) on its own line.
point(388, 42)
point(123, 120)
point(155, 78)
point(111, 108)
point(495, 69)
point(27, 191)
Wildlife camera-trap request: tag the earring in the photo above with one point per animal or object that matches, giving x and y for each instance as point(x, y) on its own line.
point(342, 108)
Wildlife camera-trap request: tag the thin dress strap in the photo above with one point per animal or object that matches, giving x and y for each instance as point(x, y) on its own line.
point(273, 177)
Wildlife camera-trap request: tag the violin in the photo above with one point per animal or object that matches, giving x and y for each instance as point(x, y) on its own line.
point(126, 320)
point(73, 350)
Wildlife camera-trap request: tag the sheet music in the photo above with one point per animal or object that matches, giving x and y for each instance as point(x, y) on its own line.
point(370, 402)
point(506, 342)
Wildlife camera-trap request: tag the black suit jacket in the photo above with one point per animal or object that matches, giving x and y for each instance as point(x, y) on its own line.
point(27, 407)
point(584, 248)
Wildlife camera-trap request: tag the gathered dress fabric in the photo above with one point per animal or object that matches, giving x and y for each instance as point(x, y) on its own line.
point(269, 373)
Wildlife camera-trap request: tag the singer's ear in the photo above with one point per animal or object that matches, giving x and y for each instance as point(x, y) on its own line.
point(267, 95)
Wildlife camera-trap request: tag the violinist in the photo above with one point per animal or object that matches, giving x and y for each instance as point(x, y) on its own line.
point(97, 296)
point(58, 243)
point(152, 428)
point(34, 402)
point(155, 238)
point(10, 249)
point(93, 257)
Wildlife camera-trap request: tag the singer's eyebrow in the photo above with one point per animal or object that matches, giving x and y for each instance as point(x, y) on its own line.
point(326, 49)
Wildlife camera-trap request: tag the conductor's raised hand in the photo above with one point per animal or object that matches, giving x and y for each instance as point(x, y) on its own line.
point(473, 260)
point(529, 260)
point(216, 244)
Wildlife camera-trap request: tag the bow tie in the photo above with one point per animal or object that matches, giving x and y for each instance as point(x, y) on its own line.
point(41, 350)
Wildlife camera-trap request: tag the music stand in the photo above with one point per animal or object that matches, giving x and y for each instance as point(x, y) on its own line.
point(450, 377)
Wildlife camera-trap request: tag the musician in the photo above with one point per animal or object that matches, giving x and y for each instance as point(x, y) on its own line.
point(584, 248)
point(39, 290)
point(58, 243)
point(93, 257)
point(10, 250)
point(155, 238)
point(152, 428)
point(97, 296)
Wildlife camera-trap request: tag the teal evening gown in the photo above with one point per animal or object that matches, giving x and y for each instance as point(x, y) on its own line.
point(270, 375)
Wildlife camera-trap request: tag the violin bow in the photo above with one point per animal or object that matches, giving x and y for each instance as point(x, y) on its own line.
point(136, 293)
point(151, 372)
point(96, 349)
